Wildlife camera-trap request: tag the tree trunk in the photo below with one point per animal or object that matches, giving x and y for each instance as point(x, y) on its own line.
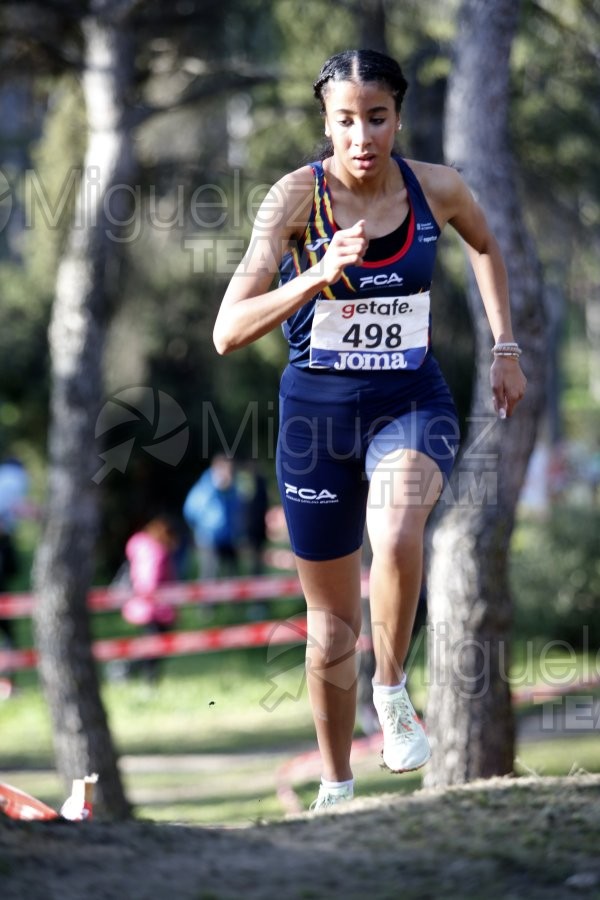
point(65, 559)
point(372, 25)
point(469, 712)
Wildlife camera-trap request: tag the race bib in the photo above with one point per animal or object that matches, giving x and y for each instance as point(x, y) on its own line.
point(374, 334)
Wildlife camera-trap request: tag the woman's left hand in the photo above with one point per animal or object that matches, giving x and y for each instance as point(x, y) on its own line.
point(508, 385)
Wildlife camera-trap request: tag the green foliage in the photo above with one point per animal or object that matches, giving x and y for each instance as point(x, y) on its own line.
point(288, 119)
point(555, 127)
point(555, 116)
point(45, 196)
point(23, 384)
point(581, 411)
point(167, 303)
point(555, 574)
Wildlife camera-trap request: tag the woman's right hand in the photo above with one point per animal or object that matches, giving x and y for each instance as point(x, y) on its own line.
point(239, 322)
point(347, 248)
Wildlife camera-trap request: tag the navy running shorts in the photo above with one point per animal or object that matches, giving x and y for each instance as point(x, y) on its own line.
point(333, 431)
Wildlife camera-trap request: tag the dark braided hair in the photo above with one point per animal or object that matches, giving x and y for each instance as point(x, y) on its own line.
point(361, 66)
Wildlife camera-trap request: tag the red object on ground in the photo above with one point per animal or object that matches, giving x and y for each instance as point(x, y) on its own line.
point(78, 807)
point(16, 804)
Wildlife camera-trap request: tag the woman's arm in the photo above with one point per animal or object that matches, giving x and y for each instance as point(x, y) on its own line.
point(452, 202)
point(250, 308)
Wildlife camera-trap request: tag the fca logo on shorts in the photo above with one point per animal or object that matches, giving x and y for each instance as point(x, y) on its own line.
point(308, 495)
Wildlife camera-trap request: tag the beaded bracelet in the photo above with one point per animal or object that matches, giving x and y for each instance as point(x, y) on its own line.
point(508, 350)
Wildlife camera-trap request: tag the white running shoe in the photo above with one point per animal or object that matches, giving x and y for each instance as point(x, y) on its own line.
point(329, 796)
point(405, 744)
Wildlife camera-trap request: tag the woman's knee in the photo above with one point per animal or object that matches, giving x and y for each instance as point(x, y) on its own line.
point(399, 542)
point(332, 637)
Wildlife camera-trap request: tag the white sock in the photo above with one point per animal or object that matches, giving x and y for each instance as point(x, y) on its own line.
point(387, 689)
point(332, 785)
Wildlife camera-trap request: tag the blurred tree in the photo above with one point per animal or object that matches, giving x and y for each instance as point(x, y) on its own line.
point(65, 556)
point(106, 40)
point(469, 710)
point(371, 22)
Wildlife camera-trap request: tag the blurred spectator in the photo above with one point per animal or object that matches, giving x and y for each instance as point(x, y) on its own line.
point(8, 568)
point(213, 509)
point(558, 473)
point(14, 487)
point(255, 504)
point(150, 556)
point(592, 475)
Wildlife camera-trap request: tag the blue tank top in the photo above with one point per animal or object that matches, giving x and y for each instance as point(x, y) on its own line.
point(407, 271)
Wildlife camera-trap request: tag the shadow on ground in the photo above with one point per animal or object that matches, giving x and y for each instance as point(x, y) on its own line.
point(503, 838)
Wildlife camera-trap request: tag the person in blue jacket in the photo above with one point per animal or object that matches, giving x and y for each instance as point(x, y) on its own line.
point(368, 428)
point(213, 511)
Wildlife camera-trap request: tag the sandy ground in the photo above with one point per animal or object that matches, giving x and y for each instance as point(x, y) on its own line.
point(516, 839)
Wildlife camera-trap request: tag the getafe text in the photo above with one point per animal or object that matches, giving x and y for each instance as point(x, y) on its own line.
point(397, 307)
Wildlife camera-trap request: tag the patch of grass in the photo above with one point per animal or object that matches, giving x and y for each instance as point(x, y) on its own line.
point(226, 809)
point(220, 702)
point(559, 756)
point(25, 729)
point(224, 704)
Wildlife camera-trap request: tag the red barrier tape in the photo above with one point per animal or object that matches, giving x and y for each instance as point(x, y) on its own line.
point(218, 590)
point(179, 593)
point(178, 643)
point(541, 693)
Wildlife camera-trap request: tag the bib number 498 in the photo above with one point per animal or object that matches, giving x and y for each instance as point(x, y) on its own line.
point(374, 335)
point(370, 334)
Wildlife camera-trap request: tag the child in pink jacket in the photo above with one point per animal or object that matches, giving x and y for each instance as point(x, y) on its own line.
point(150, 556)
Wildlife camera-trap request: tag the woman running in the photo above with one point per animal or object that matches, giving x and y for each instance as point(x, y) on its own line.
point(368, 428)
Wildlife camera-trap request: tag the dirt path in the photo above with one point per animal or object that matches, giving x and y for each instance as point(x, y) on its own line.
point(515, 839)
point(270, 770)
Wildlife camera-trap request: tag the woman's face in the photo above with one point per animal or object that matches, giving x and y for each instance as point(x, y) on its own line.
point(361, 120)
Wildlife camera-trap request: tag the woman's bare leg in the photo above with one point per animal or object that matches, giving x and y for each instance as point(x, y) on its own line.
point(405, 486)
point(332, 591)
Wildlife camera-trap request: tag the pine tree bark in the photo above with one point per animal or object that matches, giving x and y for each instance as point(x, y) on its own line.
point(469, 713)
point(64, 562)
